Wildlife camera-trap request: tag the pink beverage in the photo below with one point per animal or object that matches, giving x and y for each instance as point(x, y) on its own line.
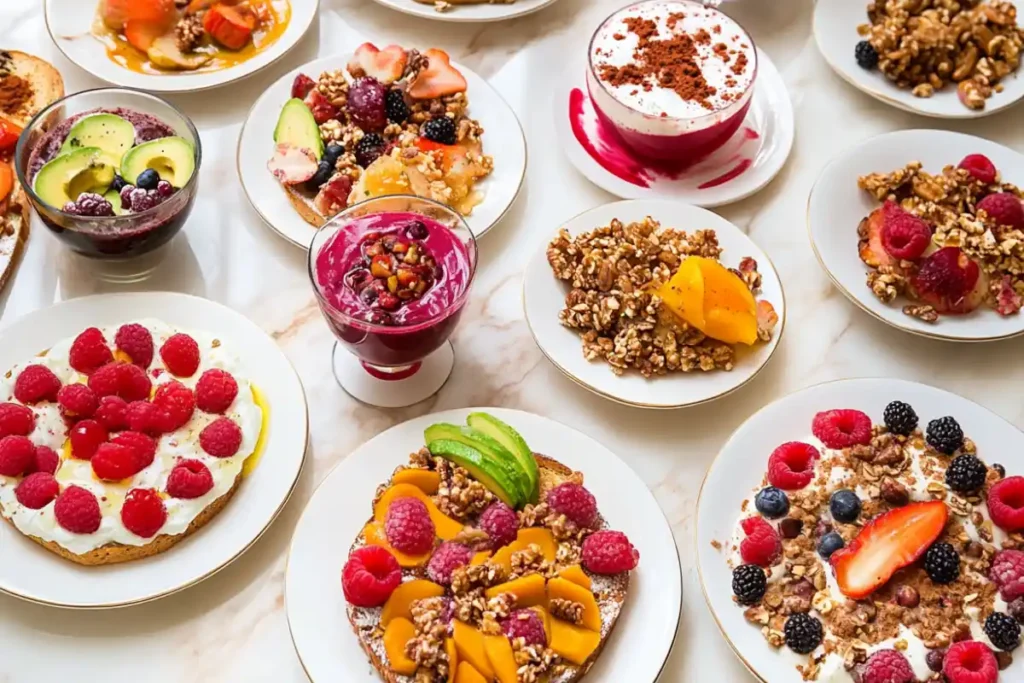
point(392, 285)
point(674, 79)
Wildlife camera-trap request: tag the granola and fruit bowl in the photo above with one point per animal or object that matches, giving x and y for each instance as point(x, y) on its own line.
point(499, 546)
point(868, 531)
point(654, 303)
point(379, 121)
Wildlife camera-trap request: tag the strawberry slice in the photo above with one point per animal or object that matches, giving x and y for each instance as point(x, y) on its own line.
point(386, 65)
point(440, 78)
point(142, 34)
point(887, 544)
point(871, 250)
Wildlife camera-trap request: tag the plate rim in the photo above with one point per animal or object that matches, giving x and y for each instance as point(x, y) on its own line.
point(450, 15)
point(92, 607)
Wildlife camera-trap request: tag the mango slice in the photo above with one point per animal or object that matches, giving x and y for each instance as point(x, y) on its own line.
point(713, 299)
point(563, 589)
point(446, 527)
point(374, 535)
point(453, 658)
point(538, 536)
point(480, 558)
point(469, 643)
point(399, 605)
point(528, 590)
point(572, 642)
point(503, 556)
point(467, 674)
point(499, 653)
point(427, 481)
point(576, 574)
point(546, 618)
point(399, 632)
point(684, 293)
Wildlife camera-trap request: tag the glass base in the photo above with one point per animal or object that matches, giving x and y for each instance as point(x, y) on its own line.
point(122, 271)
point(392, 387)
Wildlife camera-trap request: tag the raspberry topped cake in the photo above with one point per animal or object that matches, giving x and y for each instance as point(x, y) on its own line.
point(884, 553)
point(120, 442)
point(484, 561)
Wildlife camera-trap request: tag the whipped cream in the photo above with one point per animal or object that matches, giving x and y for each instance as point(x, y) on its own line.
point(50, 430)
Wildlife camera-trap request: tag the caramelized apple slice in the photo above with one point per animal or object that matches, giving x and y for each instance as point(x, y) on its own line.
point(164, 52)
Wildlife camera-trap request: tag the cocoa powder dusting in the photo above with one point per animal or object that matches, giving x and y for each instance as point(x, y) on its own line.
point(14, 93)
point(741, 64)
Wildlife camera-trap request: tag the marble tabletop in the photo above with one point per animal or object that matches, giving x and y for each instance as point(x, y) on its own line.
point(232, 627)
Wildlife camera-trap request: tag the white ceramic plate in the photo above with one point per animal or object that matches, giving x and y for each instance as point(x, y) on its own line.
point(503, 139)
point(323, 637)
point(741, 464)
point(744, 165)
point(469, 13)
point(835, 29)
point(837, 205)
point(29, 571)
point(544, 297)
point(69, 23)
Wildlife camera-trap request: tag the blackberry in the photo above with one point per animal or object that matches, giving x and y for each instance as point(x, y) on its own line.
point(900, 418)
point(441, 129)
point(395, 106)
point(324, 171)
point(772, 502)
point(803, 633)
point(966, 473)
point(148, 179)
point(845, 506)
point(369, 149)
point(1003, 630)
point(942, 563)
point(867, 56)
point(999, 470)
point(749, 584)
point(945, 435)
point(830, 543)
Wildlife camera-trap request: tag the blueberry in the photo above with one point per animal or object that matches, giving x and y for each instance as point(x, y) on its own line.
point(772, 502)
point(148, 179)
point(117, 183)
point(830, 543)
point(333, 153)
point(416, 230)
point(845, 506)
point(324, 171)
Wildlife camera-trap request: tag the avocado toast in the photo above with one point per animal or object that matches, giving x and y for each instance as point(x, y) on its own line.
point(484, 561)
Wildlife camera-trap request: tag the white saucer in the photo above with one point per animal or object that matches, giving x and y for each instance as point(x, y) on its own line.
point(469, 13)
point(741, 465)
point(836, 205)
point(544, 297)
point(392, 389)
point(503, 139)
point(328, 649)
point(69, 23)
point(835, 29)
point(742, 166)
point(30, 572)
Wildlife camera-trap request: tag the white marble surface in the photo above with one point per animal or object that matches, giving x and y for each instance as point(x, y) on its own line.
point(232, 627)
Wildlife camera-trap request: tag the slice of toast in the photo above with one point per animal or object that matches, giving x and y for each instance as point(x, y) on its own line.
point(44, 81)
point(610, 592)
point(14, 222)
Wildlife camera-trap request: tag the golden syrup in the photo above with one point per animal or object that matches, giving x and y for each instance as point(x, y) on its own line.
point(254, 459)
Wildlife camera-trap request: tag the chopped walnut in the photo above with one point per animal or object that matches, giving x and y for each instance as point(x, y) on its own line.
point(426, 648)
point(529, 561)
point(566, 610)
point(334, 86)
point(459, 495)
point(189, 32)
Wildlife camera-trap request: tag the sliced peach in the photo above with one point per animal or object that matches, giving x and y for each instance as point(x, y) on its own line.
point(467, 674)
point(528, 590)
point(427, 481)
point(399, 632)
point(572, 642)
point(374, 535)
point(453, 658)
point(546, 618)
point(730, 312)
point(446, 527)
point(399, 605)
point(480, 558)
point(499, 653)
point(563, 589)
point(576, 574)
point(469, 643)
point(503, 556)
point(684, 293)
point(538, 536)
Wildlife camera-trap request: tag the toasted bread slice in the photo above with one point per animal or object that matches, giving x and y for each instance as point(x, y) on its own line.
point(14, 222)
point(304, 206)
point(44, 80)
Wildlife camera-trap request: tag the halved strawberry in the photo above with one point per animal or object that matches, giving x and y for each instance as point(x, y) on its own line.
point(386, 65)
point(448, 154)
point(950, 282)
point(871, 250)
point(440, 78)
point(887, 544)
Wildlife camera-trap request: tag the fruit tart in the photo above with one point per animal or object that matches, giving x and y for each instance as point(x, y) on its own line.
point(886, 552)
point(120, 442)
point(484, 561)
point(393, 121)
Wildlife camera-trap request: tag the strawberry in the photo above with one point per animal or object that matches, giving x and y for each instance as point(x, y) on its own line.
point(950, 281)
point(871, 250)
point(386, 65)
point(9, 134)
point(887, 544)
point(142, 34)
point(440, 78)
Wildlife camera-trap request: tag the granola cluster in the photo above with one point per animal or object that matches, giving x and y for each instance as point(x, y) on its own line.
point(925, 45)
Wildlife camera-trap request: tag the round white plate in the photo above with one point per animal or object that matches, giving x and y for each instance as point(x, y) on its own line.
point(323, 637)
point(744, 165)
point(741, 464)
point(835, 29)
point(468, 13)
point(544, 297)
point(29, 571)
point(69, 23)
point(837, 205)
point(503, 139)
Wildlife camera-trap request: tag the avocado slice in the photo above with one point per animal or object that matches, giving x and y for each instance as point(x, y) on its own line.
point(111, 133)
point(513, 443)
point(296, 126)
point(494, 453)
point(173, 158)
point(478, 466)
point(114, 197)
point(63, 178)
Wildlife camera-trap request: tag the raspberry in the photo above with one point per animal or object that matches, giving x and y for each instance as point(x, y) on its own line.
point(143, 512)
point(121, 379)
point(143, 416)
point(979, 166)
point(221, 438)
point(791, 465)
point(904, 235)
point(46, 460)
point(1006, 504)
point(575, 502)
point(448, 557)
point(86, 437)
point(178, 401)
point(408, 526)
point(189, 479)
point(1008, 573)
point(112, 412)
point(1004, 209)
point(36, 383)
point(37, 490)
point(143, 448)
point(609, 552)
point(525, 624)
point(215, 391)
point(180, 354)
point(136, 341)
point(500, 523)
point(762, 545)
point(114, 462)
point(370, 576)
point(842, 428)
point(887, 666)
point(77, 401)
point(16, 419)
point(89, 351)
point(77, 510)
point(970, 662)
point(16, 455)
